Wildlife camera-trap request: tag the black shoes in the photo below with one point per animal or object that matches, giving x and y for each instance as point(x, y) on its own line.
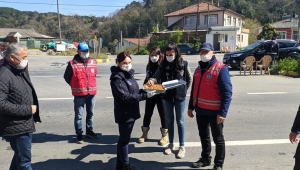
point(217, 168)
point(128, 167)
point(79, 139)
point(202, 163)
point(92, 135)
point(119, 166)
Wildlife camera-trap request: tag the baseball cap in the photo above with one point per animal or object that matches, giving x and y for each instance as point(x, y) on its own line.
point(83, 46)
point(206, 46)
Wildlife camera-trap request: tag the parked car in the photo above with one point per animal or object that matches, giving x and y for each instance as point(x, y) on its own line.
point(287, 48)
point(186, 48)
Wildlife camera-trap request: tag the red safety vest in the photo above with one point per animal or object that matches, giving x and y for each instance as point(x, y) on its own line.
point(83, 81)
point(206, 94)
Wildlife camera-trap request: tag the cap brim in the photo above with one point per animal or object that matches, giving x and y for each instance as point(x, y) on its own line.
point(208, 49)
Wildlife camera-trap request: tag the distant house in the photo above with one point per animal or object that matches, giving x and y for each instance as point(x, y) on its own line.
point(132, 42)
point(224, 27)
point(287, 28)
point(26, 34)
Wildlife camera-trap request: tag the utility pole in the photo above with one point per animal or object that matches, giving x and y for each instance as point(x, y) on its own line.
point(121, 41)
point(58, 15)
point(207, 24)
point(139, 37)
point(197, 18)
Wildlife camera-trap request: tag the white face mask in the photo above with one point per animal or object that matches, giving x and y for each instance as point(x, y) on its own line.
point(22, 65)
point(205, 58)
point(154, 59)
point(126, 67)
point(84, 55)
point(170, 58)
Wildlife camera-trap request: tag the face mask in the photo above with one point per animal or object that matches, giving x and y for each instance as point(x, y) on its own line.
point(2, 53)
point(126, 67)
point(170, 58)
point(22, 65)
point(205, 58)
point(84, 55)
point(154, 59)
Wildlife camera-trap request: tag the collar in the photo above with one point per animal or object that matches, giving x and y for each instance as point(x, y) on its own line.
point(12, 68)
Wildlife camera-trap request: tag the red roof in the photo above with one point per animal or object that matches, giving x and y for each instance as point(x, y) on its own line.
point(203, 7)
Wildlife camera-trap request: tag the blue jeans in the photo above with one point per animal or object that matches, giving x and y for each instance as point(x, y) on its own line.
point(21, 145)
point(79, 102)
point(179, 112)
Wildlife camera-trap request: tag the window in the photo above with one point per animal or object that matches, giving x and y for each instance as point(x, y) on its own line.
point(223, 38)
point(239, 22)
point(228, 20)
point(226, 38)
point(234, 21)
point(190, 20)
point(238, 38)
point(295, 35)
point(290, 44)
point(242, 40)
point(213, 19)
point(282, 35)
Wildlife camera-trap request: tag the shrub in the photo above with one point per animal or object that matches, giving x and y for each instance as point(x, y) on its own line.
point(143, 52)
point(287, 64)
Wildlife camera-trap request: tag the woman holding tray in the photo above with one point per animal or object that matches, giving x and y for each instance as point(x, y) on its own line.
point(173, 67)
point(155, 58)
point(127, 96)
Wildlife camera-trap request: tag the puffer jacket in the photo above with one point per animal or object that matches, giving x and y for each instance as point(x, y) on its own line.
point(15, 102)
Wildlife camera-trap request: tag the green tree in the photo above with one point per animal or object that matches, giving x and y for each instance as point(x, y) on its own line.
point(176, 36)
point(268, 31)
point(252, 25)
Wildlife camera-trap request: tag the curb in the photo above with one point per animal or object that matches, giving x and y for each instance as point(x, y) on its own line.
point(103, 60)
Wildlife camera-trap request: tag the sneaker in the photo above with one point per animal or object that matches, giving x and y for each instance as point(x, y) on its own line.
point(92, 135)
point(79, 139)
point(128, 167)
point(217, 168)
point(181, 152)
point(169, 149)
point(201, 163)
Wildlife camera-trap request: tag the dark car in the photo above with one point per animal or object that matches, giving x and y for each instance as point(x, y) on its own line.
point(186, 48)
point(287, 48)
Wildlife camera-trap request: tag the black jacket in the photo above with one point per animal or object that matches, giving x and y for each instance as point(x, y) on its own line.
point(272, 47)
point(15, 102)
point(296, 125)
point(127, 95)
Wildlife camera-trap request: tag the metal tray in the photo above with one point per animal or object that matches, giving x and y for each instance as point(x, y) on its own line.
point(168, 85)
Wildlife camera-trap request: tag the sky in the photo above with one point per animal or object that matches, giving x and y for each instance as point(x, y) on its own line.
point(68, 7)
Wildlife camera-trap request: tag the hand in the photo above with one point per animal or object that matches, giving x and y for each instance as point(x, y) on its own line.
point(220, 119)
point(33, 109)
point(150, 83)
point(36, 122)
point(142, 91)
point(190, 113)
point(293, 137)
point(151, 94)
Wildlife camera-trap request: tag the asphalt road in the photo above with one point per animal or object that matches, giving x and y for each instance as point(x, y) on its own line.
point(256, 129)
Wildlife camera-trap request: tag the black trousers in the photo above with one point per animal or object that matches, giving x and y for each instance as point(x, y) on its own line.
point(297, 158)
point(125, 130)
point(149, 108)
point(205, 123)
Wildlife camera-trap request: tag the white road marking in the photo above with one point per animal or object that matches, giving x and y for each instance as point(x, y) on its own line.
point(42, 76)
point(56, 98)
point(269, 93)
point(234, 143)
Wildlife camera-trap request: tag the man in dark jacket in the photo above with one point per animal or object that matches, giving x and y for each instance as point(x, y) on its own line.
point(293, 138)
point(19, 109)
point(210, 98)
point(81, 75)
point(272, 49)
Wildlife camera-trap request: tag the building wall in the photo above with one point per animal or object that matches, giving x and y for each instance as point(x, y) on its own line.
point(125, 45)
point(172, 20)
point(231, 39)
point(288, 31)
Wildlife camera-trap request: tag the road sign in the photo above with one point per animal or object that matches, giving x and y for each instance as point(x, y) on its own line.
point(100, 40)
point(92, 43)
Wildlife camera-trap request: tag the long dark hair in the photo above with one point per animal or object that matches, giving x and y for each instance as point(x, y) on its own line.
point(121, 57)
point(178, 61)
point(158, 52)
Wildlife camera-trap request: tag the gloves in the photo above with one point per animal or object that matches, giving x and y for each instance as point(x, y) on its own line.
point(151, 94)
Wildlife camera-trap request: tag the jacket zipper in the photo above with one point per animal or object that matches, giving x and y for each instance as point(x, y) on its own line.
point(87, 78)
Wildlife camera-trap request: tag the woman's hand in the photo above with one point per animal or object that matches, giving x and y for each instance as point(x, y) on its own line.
point(149, 83)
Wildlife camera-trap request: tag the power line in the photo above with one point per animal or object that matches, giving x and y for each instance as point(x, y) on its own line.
point(36, 3)
point(51, 5)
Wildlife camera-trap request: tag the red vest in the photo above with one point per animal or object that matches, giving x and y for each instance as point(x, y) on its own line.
point(206, 94)
point(83, 81)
